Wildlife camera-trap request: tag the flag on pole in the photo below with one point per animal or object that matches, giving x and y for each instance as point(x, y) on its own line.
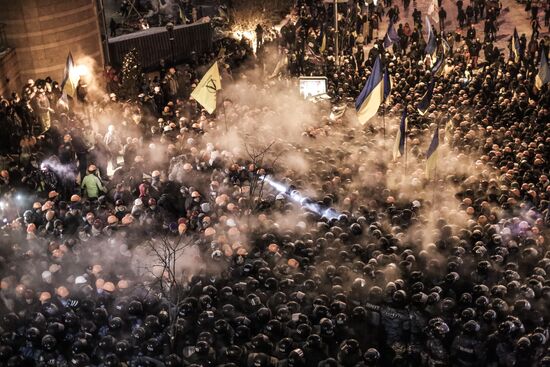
point(433, 11)
point(432, 155)
point(515, 46)
point(372, 95)
point(391, 36)
point(431, 44)
point(387, 84)
point(446, 46)
point(70, 77)
point(183, 18)
point(323, 41)
point(543, 76)
point(424, 103)
point(206, 92)
point(399, 145)
point(437, 69)
point(449, 127)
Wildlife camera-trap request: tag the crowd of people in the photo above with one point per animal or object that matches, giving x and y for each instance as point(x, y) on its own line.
point(377, 266)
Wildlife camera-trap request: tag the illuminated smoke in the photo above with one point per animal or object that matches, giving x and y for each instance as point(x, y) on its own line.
point(305, 202)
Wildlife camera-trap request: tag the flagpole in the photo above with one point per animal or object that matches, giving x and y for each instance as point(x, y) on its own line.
point(434, 183)
point(384, 118)
point(336, 49)
point(405, 147)
point(224, 113)
point(435, 171)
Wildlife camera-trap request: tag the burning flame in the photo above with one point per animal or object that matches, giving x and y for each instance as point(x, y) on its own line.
point(247, 34)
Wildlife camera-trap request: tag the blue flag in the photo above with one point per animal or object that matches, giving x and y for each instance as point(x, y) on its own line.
point(399, 145)
point(372, 95)
point(424, 103)
point(543, 76)
point(516, 53)
point(391, 36)
point(387, 84)
point(438, 67)
point(432, 155)
point(431, 44)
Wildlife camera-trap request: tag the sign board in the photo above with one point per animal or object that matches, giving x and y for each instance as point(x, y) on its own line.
point(311, 86)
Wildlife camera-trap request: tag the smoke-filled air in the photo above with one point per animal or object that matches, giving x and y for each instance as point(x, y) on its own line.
point(278, 192)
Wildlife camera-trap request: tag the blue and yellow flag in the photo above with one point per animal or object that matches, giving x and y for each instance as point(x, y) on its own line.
point(424, 103)
point(446, 46)
point(431, 44)
point(70, 78)
point(400, 137)
point(387, 84)
point(372, 95)
point(543, 76)
point(391, 36)
point(437, 69)
point(323, 41)
point(515, 46)
point(432, 155)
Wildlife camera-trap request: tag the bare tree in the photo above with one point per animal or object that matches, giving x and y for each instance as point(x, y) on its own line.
point(169, 278)
point(260, 156)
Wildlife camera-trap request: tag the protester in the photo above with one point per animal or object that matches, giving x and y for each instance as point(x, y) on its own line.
point(192, 249)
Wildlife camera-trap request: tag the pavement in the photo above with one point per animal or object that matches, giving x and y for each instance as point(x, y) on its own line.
point(512, 15)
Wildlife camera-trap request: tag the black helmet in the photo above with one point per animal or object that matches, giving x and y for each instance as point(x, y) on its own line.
point(139, 334)
point(135, 308)
point(273, 328)
point(206, 336)
point(100, 315)
point(284, 346)
point(32, 334)
point(371, 355)
point(80, 360)
point(48, 342)
point(152, 322)
point(173, 360)
point(220, 326)
point(152, 346)
point(122, 347)
point(490, 316)
point(115, 323)
point(55, 328)
point(164, 318)
point(16, 361)
point(111, 360)
point(10, 321)
point(296, 358)
point(263, 315)
point(242, 332)
point(38, 320)
point(471, 327)
point(107, 343)
point(202, 347)
point(79, 346)
point(70, 319)
point(523, 343)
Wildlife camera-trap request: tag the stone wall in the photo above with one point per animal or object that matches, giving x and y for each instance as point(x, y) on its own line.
point(9, 73)
point(44, 31)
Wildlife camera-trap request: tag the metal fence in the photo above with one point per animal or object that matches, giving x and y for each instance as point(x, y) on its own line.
point(154, 44)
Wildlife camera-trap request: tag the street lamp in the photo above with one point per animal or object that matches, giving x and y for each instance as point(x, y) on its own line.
point(170, 29)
